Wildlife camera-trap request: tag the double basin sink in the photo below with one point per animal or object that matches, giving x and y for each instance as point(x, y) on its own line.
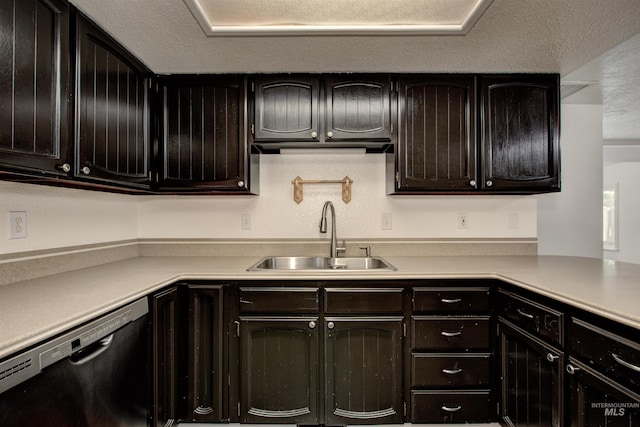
point(285, 263)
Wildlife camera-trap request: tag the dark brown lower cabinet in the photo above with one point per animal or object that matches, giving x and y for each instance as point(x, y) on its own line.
point(532, 393)
point(279, 370)
point(447, 406)
point(364, 370)
point(205, 392)
point(165, 333)
point(596, 401)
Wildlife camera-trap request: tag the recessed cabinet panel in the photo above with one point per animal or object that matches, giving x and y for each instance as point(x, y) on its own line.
point(286, 109)
point(450, 370)
point(205, 373)
point(364, 370)
point(532, 374)
point(441, 406)
point(166, 358)
point(112, 110)
point(597, 401)
point(358, 109)
point(436, 143)
point(34, 85)
point(353, 300)
point(279, 370)
point(204, 145)
point(520, 133)
point(442, 333)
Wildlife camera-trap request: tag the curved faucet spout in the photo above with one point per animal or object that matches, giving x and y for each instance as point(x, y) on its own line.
point(323, 229)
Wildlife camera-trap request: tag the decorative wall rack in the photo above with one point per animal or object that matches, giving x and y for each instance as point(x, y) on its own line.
point(299, 182)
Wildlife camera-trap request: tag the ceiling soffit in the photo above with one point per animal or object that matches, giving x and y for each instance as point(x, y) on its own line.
point(336, 17)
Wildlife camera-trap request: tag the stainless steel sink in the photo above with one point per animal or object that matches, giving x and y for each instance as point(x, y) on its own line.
point(321, 263)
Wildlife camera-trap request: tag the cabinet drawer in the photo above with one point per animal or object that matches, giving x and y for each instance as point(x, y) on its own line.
point(279, 300)
point(450, 300)
point(431, 332)
point(439, 406)
point(352, 300)
point(449, 370)
point(531, 316)
point(613, 355)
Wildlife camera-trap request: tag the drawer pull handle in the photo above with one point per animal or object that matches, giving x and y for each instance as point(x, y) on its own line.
point(572, 369)
point(523, 314)
point(450, 334)
point(451, 371)
point(452, 408)
point(451, 301)
point(552, 357)
point(625, 363)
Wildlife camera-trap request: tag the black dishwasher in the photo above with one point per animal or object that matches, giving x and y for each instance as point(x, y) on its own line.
point(93, 376)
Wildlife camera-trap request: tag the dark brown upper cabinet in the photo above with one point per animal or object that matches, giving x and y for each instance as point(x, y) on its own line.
point(319, 111)
point(436, 149)
point(286, 109)
point(112, 130)
point(517, 150)
point(203, 145)
point(34, 87)
point(520, 133)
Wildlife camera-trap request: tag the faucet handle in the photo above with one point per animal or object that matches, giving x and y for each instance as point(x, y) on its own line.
point(341, 249)
point(367, 250)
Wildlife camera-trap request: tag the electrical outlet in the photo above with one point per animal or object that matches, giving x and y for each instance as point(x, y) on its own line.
point(245, 221)
point(386, 221)
point(17, 225)
point(463, 220)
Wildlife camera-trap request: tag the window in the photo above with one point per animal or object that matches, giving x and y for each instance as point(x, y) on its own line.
point(610, 218)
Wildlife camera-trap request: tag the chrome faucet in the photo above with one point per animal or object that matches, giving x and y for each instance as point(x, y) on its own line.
point(323, 229)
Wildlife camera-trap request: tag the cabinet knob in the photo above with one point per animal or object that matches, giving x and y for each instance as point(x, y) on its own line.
point(85, 170)
point(489, 183)
point(312, 324)
point(329, 134)
point(241, 183)
point(552, 357)
point(472, 183)
point(65, 167)
point(572, 369)
point(314, 134)
point(331, 325)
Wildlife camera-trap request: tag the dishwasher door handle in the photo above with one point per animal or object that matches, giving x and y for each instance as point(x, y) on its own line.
point(102, 346)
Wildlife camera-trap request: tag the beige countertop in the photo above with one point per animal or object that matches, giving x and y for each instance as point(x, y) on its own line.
point(34, 310)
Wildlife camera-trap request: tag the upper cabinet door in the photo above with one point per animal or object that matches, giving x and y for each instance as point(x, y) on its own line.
point(358, 108)
point(520, 133)
point(436, 148)
point(203, 144)
point(34, 86)
point(286, 108)
point(112, 117)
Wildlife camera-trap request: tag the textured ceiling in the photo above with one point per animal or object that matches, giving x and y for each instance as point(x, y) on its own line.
point(562, 36)
point(512, 35)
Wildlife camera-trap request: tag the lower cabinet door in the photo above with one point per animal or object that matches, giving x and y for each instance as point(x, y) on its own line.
point(531, 379)
point(279, 370)
point(597, 401)
point(205, 356)
point(364, 370)
point(438, 406)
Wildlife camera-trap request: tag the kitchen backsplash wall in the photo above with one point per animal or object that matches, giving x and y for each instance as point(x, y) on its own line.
point(274, 214)
point(61, 217)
